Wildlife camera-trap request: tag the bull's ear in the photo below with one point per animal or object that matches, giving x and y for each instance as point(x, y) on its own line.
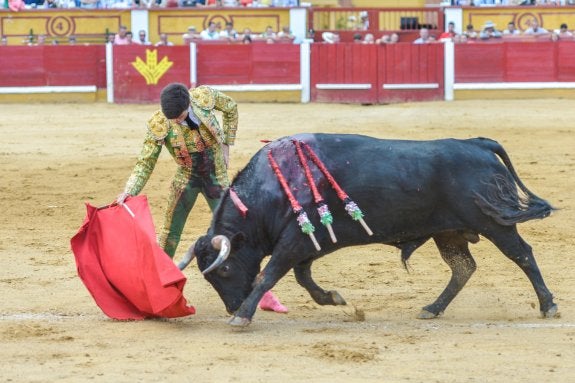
point(238, 241)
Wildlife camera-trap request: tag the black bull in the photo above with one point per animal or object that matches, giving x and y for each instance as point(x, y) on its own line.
point(409, 191)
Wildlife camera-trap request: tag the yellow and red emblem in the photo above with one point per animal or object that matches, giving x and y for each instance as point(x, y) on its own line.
point(152, 70)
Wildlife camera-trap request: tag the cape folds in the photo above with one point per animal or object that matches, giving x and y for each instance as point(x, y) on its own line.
point(124, 269)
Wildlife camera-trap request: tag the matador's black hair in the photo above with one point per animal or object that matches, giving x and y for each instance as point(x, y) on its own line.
point(174, 99)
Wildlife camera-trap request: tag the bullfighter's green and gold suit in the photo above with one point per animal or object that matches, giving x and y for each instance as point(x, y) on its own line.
point(198, 154)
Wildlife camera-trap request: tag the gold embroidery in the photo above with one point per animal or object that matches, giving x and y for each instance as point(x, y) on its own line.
point(203, 97)
point(158, 125)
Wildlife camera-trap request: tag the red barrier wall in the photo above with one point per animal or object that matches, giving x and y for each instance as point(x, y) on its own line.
point(345, 72)
point(53, 66)
point(414, 67)
point(418, 65)
point(515, 62)
point(344, 63)
point(224, 64)
point(131, 84)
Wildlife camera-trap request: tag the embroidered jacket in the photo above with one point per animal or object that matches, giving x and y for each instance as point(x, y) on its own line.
point(180, 140)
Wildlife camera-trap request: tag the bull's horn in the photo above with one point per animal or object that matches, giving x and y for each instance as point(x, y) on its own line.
point(188, 257)
point(221, 243)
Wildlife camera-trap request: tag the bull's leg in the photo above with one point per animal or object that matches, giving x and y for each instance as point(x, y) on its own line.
point(454, 250)
point(320, 296)
point(515, 248)
point(266, 279)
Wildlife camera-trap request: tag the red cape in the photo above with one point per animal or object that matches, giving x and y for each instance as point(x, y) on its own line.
point(123, 267)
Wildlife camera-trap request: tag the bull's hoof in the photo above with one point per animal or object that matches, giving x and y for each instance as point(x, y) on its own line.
point(337, 299)
point(239, 322)
point(425, 314)
point(551, 313)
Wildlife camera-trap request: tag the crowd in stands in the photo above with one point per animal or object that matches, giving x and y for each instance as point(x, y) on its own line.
point(215, 33)
point(507, 2)
point(489, 32)
point(18, 5)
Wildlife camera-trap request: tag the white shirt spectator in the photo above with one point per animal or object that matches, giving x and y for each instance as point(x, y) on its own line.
point(210, 33)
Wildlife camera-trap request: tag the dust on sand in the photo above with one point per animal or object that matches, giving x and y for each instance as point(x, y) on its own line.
point(56, 157)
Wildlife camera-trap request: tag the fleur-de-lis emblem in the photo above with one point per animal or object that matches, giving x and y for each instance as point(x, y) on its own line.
point(152, 70)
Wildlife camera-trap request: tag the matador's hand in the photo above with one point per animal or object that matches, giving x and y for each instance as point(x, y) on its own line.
point(122, 198)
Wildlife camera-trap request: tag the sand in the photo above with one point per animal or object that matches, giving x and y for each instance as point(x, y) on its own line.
point(56, 157)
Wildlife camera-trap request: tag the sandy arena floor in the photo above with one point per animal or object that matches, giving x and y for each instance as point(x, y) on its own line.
point(53, 158)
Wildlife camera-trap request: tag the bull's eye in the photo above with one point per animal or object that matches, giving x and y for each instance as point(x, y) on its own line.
point(224, 271)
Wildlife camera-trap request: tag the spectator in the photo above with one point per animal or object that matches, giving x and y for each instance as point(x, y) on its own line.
point(458, 39)
point(393, 38)
point(130, 37)
point(164, 41)
point(191, 35)
point(357, 38)
point(16, 5)
point(511, 29)
point(210, 33)
point(90, 4)
point(285, 35)
point(41, 39)
point(110, 38)
point(330, 37)
point(449, 34)
point(71, 40)
point(142, 38)
point(563, 33)
point(144, 3)
point(248, 33)
point(269, 34)
point(424, 37)
point(117, 4)
point(364, 20)
point(470, 32)
point(351, 22)
point(229, 33)
point(535, 29)
point(50, 4)
point(4, 41)
point(489, 32)
point(368, 39)
point(120, 37)
point(247, 39)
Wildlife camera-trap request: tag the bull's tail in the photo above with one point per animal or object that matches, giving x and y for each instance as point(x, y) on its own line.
point(507, 202)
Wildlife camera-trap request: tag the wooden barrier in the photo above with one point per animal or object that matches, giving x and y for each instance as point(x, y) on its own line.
point(244, 64)
point(411, 72)
point(507, 62)
point(140, 72)
point(344, 72)
point(53, 66)
point(371, 74)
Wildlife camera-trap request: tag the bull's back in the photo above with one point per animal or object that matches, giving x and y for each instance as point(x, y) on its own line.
point(406, 189)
